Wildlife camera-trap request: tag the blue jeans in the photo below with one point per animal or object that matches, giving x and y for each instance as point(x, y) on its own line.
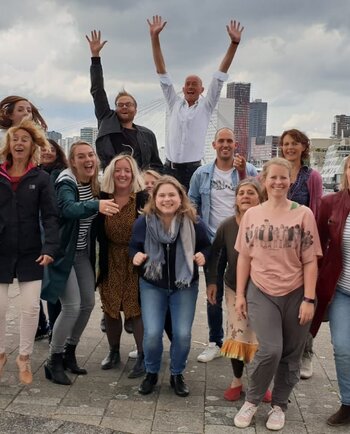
point(339, 323)
point(154, 305)
point(214, 311)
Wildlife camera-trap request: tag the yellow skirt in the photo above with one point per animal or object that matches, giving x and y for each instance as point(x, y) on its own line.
point(240, 342)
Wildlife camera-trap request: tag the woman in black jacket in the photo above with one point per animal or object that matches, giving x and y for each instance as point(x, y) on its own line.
point(26, 196)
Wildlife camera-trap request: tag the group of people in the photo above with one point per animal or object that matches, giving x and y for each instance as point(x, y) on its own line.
point(276, 248)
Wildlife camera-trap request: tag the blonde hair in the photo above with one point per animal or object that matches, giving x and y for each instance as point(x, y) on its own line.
point(107, 184)
point(277, 161)
point(37, 135)
point(186, 208)
point(255, 184)
point(151, 172)
point(95, 186)
point(344, 183)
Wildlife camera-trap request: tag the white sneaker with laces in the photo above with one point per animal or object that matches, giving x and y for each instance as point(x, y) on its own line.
point(306, 368)
point(245, 415)
point(210, 353)
point(276, 419)
point(133, 354)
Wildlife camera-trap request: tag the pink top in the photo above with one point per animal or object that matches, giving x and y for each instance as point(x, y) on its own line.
point(278, 245)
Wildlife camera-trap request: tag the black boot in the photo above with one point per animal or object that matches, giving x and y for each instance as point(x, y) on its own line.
point(148, 384)
point(138, 369)
point(341, 417)
point(178, 384)
point(112, 359)
point(70, 361)
point(54, 370)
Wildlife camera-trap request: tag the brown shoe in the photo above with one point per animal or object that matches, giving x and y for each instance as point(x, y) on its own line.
point(341, 417)
point(3, 360)
point(25, 372)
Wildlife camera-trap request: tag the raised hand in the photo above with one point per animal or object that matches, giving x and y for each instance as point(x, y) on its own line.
point(156, 26)
point(234, 31)
point(95, 43)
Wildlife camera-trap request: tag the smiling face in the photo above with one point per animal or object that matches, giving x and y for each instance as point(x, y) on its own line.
point(122, 176)
point(225, 145)
point(84, 162)
point(48, 156)
point(22, 110)
point(246, 197)
point(277, 181)
point(21, 146)
point(125, 109)
point(149, 182)
point(291, 149)
point(167, 200)
point(192, 89)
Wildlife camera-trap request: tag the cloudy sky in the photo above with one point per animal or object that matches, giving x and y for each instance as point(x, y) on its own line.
point(295, 54)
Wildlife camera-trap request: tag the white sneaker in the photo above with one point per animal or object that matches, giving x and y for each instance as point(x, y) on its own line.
point(210, 353)
point(133, 354)
point(276, 419)
point(245, 415)
point(306, 368)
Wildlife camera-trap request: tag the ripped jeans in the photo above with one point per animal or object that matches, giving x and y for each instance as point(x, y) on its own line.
point(281, 343)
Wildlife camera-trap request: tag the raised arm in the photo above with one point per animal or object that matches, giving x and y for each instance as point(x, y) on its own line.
point(155, 27)
point(95, 43)
point(234, 31)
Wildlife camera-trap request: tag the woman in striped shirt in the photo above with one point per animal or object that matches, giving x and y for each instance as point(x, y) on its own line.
point(333, 286)
point(71, 278)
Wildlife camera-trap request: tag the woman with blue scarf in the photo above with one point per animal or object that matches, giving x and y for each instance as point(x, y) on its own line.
point(168, 244)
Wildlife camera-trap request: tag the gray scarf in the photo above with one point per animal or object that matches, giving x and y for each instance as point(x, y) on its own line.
point(156, 236)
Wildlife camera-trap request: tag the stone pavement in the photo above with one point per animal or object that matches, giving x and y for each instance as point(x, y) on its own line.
point(108, 402)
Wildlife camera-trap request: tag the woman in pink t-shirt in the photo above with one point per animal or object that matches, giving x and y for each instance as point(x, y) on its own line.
point(276, 288)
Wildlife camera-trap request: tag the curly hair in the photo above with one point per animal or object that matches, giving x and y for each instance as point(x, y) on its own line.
point(38, 138)
point(7, 106)
point(299, 137)
point(186, 207)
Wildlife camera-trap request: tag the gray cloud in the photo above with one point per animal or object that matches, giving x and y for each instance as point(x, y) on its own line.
point(295, 53)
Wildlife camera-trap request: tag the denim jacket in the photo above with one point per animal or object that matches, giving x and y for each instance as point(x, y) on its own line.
point(200, 191)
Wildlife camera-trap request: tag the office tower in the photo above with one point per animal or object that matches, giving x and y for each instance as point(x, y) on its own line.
point(257, 118)
point(89, 135)
point(241, 94)
point(341, 126)
point(54, 135)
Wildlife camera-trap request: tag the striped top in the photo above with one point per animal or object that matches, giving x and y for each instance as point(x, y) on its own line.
point(344, 279)
point(85, 193)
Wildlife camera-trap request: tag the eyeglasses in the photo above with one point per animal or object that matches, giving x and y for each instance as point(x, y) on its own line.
point(125, 104)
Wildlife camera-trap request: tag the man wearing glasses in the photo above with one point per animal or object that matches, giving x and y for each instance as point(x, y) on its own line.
point(117, 132)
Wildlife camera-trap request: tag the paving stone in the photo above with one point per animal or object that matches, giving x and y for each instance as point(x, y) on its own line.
point(134, 426)
point(167, 421)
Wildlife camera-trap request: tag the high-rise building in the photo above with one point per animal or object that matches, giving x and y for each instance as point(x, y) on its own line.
point(341, 126)
point(263, 149)
point(54, 135)
point(89, 135)
point(241, 94)
point(67, 142)
point(257, 118)
point(223, 116)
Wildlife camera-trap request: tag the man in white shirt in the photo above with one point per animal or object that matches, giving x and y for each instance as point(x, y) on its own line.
point(189, 116)
point(212, 190)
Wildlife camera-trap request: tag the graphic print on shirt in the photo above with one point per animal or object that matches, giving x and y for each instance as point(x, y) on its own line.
point(269, 236)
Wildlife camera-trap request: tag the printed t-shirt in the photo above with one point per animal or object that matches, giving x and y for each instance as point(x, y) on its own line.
point(279, 244)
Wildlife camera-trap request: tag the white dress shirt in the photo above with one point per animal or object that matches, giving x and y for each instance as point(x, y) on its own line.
point(187, 126)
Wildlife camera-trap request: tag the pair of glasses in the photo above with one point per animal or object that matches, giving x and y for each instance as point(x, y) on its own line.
point(125, 104)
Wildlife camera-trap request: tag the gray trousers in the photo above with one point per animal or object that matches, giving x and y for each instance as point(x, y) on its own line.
point(78, 300)
point(281, 343)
